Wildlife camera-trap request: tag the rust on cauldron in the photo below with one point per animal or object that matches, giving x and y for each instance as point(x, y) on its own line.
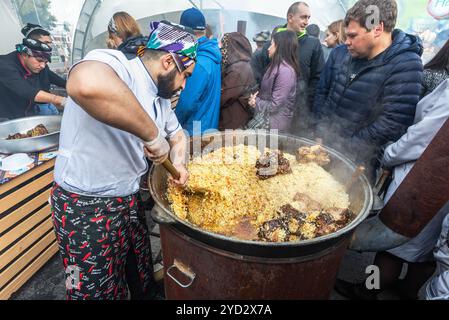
point(221, 274)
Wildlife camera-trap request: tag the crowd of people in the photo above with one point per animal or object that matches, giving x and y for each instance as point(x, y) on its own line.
point(365, 93)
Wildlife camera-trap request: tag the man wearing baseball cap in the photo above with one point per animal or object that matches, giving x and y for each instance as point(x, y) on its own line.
point(198, 108)
point(25, 78)
point(118, 111)
point(261, 39)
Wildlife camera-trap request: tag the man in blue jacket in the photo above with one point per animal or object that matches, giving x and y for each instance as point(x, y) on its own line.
point(198, 108)
point(369, 89)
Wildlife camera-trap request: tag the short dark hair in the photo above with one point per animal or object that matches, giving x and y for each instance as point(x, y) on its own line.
point(388, 13)
point(151, 54)
point(313, 30)
point(34, 31)
point(37, 34)
point(294, 8)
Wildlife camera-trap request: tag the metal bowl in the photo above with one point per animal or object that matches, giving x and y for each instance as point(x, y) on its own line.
point(34, 144)
point(341, 168)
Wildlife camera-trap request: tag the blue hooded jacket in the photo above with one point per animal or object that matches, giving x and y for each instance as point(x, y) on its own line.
point(378, 105)
point(200, 100)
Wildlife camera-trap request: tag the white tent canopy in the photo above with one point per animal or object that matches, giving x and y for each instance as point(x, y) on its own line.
point(325, 11)
point(10, 30)
point(222, 14)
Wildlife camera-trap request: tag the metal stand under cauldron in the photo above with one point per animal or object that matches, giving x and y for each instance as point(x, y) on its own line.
point(195, 270)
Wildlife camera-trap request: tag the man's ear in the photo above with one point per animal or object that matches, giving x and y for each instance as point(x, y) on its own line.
point(167, 61)
point(379, 29)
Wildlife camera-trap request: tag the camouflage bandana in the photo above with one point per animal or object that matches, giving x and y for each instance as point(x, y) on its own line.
point(175, 39)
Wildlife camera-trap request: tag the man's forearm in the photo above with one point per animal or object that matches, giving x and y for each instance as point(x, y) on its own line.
point(96, 88)
point(45, 97)
point(178, 145)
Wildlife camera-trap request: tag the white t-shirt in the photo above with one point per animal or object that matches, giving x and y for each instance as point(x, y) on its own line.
point(98, 160)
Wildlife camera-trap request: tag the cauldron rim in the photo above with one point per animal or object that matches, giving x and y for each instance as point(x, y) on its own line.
point(172, 219)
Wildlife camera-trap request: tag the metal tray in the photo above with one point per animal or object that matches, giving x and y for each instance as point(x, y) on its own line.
point(34, 144)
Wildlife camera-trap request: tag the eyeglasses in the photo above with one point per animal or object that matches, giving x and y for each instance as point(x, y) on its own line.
point(177, 61)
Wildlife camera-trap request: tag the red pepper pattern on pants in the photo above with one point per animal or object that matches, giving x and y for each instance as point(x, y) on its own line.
point(94, 235)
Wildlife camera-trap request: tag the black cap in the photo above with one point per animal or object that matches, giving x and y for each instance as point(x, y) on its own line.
point(30, 27)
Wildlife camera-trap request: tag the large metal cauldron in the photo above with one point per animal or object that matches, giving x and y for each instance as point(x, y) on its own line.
point(34, 144)
point(204, 265)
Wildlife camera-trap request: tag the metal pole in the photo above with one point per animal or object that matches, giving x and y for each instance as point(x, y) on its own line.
point(193, 4)
point(17, 10)
point(37, 14)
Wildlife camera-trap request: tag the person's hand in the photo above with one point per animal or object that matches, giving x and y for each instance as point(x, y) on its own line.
point(183, 175)
point(252, 100)
point(157, 150)
point(59, 101)
point(64, 102)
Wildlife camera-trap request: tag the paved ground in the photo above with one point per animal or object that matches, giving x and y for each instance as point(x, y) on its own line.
point(48, 283)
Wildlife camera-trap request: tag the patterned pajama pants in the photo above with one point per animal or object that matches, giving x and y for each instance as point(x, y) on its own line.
point(94, 237)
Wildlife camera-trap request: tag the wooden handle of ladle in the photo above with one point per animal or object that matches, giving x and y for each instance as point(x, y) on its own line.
point(171, 168)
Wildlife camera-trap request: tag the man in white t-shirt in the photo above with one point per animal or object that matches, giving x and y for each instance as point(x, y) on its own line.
point(118, 112)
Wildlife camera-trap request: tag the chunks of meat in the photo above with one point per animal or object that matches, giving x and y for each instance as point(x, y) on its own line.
point(315, 154)
point(272, 164)
point(332, 220)
point(39, 130)
point(16, 136)
point(274, 231)
point(291, 224)
point(244, 230)
point(283, 228)
point(306, 203)
point(341, 216)
point(325, 224)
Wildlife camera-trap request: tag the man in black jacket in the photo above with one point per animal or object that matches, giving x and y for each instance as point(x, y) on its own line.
point(25, 78)
point(311, 58)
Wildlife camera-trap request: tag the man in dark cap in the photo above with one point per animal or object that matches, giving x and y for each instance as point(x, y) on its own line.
point(25, 77)
point(261, 39)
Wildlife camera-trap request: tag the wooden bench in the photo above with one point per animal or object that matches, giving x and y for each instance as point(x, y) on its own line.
point(27, 239)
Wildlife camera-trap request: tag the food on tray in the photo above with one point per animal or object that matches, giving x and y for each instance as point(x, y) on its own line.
point(297, 201)
point(39, 130)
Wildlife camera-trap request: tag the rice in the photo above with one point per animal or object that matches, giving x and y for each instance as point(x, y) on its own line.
point(223, 189)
